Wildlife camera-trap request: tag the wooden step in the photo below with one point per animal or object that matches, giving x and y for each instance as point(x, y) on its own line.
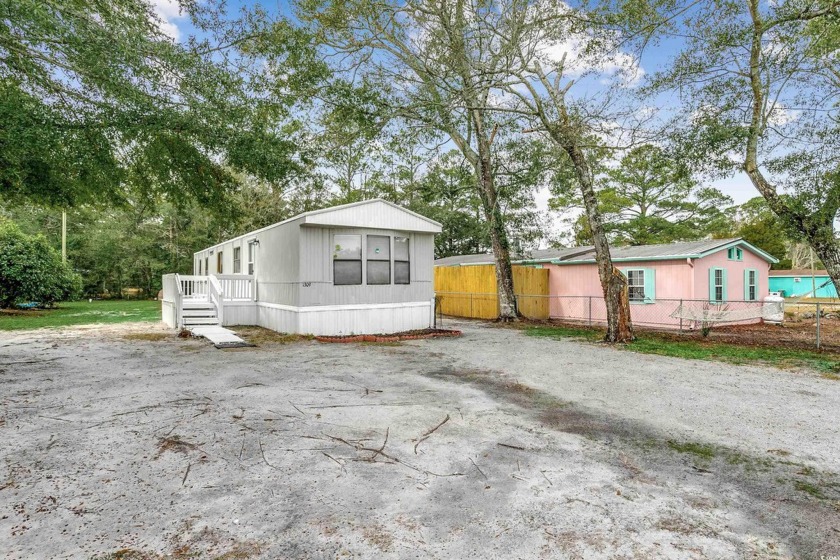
point(193, 321)
point(195, 312)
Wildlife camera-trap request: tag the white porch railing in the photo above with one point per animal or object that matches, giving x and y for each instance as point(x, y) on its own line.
point(237, 286)
point(194, 287)
point(237, 290)
point(171, 302)
point(217, 296)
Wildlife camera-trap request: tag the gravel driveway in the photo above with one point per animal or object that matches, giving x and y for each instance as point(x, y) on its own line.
point(492, 445)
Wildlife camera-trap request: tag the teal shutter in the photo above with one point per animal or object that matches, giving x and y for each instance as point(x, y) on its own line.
point(650, 285)
point(747, 285)
point(712, 284)
point(725, 282)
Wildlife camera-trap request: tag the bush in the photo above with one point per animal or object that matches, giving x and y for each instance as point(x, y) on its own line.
point(32, 271)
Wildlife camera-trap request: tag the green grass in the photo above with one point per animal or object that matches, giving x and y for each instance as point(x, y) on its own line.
point(651, 343)
point(81, 313)
point(702, 450)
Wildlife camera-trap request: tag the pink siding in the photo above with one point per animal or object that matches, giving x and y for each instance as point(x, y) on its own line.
point(734, 275)
point(576, 289)
point(673, 282)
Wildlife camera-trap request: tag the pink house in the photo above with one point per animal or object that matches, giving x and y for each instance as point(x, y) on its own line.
point(718, 275)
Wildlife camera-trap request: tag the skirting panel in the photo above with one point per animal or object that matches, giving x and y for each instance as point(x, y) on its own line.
point(236, 313)
point(168, 314)
point(345, 319)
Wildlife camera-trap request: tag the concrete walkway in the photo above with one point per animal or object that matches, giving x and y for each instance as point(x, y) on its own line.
point(219, 336)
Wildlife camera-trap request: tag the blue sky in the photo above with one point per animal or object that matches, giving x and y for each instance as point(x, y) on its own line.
point(179, 27)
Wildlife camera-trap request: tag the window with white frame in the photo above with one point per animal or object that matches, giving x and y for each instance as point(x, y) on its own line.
point(251, 249)
point(378, 259)
point(636, 285)
point(220, 265)
point(199, 267)
point(347, 260)
point(718, 286)
point(402, 261)
point(237, 263)
point(752, 285)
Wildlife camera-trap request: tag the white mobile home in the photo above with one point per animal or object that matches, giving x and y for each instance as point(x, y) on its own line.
point(361, 268)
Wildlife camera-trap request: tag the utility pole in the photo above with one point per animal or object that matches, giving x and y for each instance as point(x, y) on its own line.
point(64, 235)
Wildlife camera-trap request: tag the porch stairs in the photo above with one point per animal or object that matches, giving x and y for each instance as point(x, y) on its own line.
point(199, 313)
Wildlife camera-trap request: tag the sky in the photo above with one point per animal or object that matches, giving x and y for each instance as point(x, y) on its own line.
point(738, 187)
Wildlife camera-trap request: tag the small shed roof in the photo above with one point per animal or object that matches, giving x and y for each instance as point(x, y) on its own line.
point(536, 256)
point(798, 272)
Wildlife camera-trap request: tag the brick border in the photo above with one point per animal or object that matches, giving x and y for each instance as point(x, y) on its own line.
point(396, 337)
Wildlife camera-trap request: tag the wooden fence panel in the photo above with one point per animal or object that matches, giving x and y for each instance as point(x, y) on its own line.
point(470, 291)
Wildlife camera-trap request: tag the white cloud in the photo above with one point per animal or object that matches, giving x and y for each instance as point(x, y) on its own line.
point(780, 115)
point(168, 11)
point(579, 62)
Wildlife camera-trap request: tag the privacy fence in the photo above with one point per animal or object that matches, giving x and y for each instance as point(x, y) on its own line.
point(470, 291)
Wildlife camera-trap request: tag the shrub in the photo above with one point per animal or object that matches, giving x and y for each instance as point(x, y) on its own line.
point(32, 271)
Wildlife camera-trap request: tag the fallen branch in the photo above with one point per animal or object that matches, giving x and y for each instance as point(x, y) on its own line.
point(477, 468)
point(296, 408)
point(262, 452)
point(186, 474)
point(509, 446)
point(384, 443)
point(425, 436)
point(359, 447)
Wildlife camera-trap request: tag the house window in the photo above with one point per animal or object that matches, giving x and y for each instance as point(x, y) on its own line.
point(347, 260)
point(199, 267)
point(735, 254)
point(206, 265)
point(251, 258)
point(717, 284)
point(237, 264)
point(402, 262)
point(378, 259)
point(636, 284)
point(750, 285)
point(219, 264)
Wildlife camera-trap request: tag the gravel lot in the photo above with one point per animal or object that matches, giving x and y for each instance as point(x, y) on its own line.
point(127, 442)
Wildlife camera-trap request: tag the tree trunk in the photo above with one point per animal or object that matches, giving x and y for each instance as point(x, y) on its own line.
point(613, 282)
point(498, 235)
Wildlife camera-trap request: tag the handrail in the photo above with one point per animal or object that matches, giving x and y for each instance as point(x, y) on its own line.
point(216, 293)
point(178, 283)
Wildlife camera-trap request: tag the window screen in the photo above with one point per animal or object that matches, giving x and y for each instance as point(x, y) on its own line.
point(636, 285)
point(251, 258)
point(237, 263)
point(752, 292)
point(219, 262)
point(719, 285)
point(378, 259)
point(347, 260)
point(402, 268)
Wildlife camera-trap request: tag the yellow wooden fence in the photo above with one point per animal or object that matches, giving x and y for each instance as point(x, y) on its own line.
point(470, 291)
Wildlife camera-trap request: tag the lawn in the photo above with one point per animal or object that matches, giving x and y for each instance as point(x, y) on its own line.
point(81, 313)
point(651, 343)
